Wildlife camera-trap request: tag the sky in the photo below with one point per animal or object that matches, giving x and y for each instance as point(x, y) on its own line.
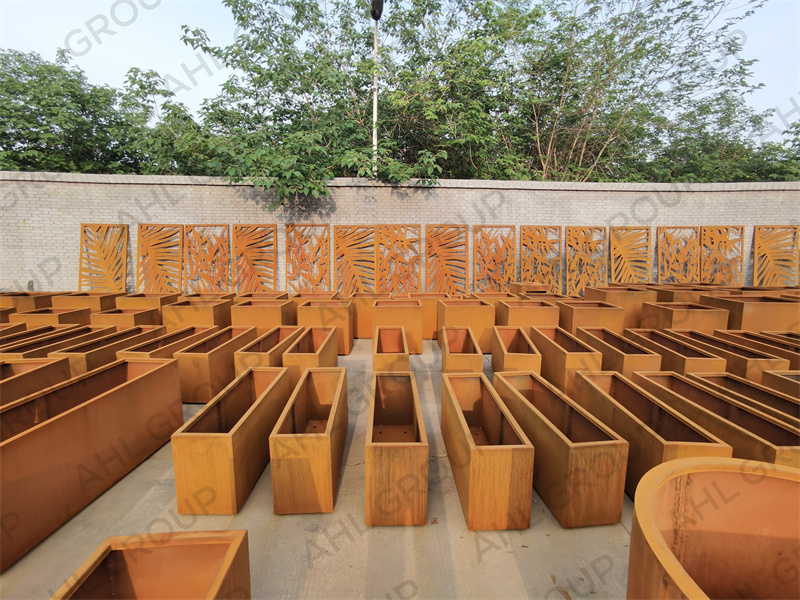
point(107, 37)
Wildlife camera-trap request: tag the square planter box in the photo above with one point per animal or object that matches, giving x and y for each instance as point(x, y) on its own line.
point(197, 313)
point(430, 313)
point(619, 354)
point(517, 287)
point(580, 464)
point(41, 346)
point(401, 313)
point(655, 431)
point(185, 564)
point(94, 301)
point(786, 382)
point(563, 355)
point(4, 312)
point(362, 312)
point(145, 301)
point(390, 350)
point(55, 444)
point(330, 313)
point(264, 315)
point(314, 348)
point(165, 346)
point(752, 434)
point(526, 313)
point(589, 313)
point(27, 301)
point(669, 315)
point(307, 444)
point(513, 350)
point(267, 350)
point(20, 378)
point(630, 299)
point(756, 313)
point(207, 366)
point(51, 316)
point(396, 453)
point(490, 455)
point(460, 351)
point(764, 343)
point(90, 355)
point(222, 447)
point(476, 314)
point(123, 318)
point(675, 355)
point(493, 298)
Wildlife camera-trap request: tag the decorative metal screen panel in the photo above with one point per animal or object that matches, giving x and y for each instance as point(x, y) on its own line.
point(721, 254)
point(775, 255)
point(206, 260)
point(631, 261)
point(159, 259)
point(446, 259)
point(354, 258)
point(104, 258)
point(678, 254)
point(307, 258)
point(398, 258)
point(495, 257)
point(587, 255)
point(540, 255)
point(255, 258)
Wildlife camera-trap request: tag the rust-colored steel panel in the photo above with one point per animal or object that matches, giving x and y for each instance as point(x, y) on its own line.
point(104, 258)
point(776, 259)
point(206, 259)
point(307, 258)
point(587, 251)
point(398, 258)
point(678, 254)
point(255, 258)
point(446, 259)
point(722, 250)
point(540, 255)
point(631, 260)
point(495, 257)
point(354, 258)
point(159, 259)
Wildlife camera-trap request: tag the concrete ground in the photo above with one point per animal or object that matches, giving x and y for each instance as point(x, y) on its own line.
point(335, 555)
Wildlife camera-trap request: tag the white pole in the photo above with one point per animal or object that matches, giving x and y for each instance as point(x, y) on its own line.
point(375, 108)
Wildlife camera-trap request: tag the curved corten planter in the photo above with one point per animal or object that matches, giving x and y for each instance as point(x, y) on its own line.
point(526, 313)
point(686, 315)
point(52, 316)
point(790, 350)
point(196, 312)
point(430, 313)
point(362, 312)
point(267, 350)
point(714, 528)
point(167, 345)
point(589, 313)
point(630, 299)
point(675, 355)
point(563, 355)
point(475, 314)
point(757, 313)
point(20, 378)
point(619, 354)
point(390, 350)
point(330, 313)
point(94, 301)
point(513, 350)
point(264, 315)
point(122, 318)
point(460, 351)
point(786, 382)
point(103, 350)
point(400, 313)
point(314, 348)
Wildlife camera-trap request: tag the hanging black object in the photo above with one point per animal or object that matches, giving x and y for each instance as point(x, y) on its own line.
point(377, 9)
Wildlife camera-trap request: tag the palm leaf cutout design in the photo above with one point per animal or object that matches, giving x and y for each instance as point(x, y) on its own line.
point(354, 258)
point(540, 255)
point(495, 257)
point(206, 263)
point(775, 255)
point(678, 254)
point(398, 258)
point(721, 254)
point(586, 258)
point(104, 258)
point(255, 258)
point(160, 259)
point(630, 255)
point(307, 258)
point(446, 259)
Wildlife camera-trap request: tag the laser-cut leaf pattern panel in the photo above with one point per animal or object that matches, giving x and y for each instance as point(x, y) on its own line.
point(354, 258)
point(721, 254)
point(775, 255)
point(631, 261)
point(587, 256)
point(540, 255)
point(206, 258)
point(159, 259)
point(446, 259)
point(495, 257)
point(398, 260)
point(307, 258)
point(255, 258)
point(678, 251)
point(104, 258)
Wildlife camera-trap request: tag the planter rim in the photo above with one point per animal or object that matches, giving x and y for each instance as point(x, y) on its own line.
point(235, 333)
point(342, 371)
point(587, 349)
point(525, 336)
point(738, 348)
point(308, 330)
point(402, 335)
point(470, 333)
point(660, 334)
point(622, 338)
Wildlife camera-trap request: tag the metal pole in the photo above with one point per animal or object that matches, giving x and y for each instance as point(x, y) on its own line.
point(375, 108)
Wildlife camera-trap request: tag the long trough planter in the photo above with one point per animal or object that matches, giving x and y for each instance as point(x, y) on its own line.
point(267, 350)
point(513, 350)
point(165, 346)
point(390, 350)
point(122, 318)
point(564, 355)
point(757, 313)
point(94, 301)
point(790, 350)
point(314, 348)
point(52, 316)
point(676, 355)
point(20, 378)
point(619, 354)
point(8, 329)
point(16, 333)
point(786, 382)
point(103, 350)
point(196, 312)
point(685, 315)
point(589, 313)
point(41, 346)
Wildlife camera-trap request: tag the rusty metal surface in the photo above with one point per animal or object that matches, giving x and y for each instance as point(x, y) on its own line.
point(159, 259)
point(255, 258)
point(776, 260)
point(354, 259)
point(631, 260)
point(587, 251)
point(206, 258)
point(722, 250)
point(307, 258)
point(104, 258)
point(495, 257)
point(540, 255)
point(446, 259)
point(678, 254)
point(399, 258)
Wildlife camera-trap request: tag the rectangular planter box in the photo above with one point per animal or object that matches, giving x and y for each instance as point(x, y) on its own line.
point(675, 355)
point(619, 354)
point(90, 355)
point(207, 296)
point(401, 313)
point(330, 313)
point(430, 313)
point(20, 378)
point(589, 313)
point(184, 564)
point(526, 313)
point(786, 382)
point(756, 313)
point(362, 312)
point(493, 298)
point(752, 434)
point(630, 299)
point(145, 301)
point(396, 453)
point(299, 299)
point(16, 333)
point(197, 313)
point(460, 351)
point(123, 318)
point(314, 348)
point(518, 287)
point(94, 301)
point(276, 295)
point(655, 431)
point(580, 464)
point(51, 316)
point(307, 445)
point(490, 455)
point(165, 346)
point(670, 315)
point(207, 366)
point(513, 350)
point(55, 444)
point(563, 355)
point(4, 312)
point(41, 346)
point(27, 301)
point(264, 315)
point(390, 350)
point(7, 329)
point(764, 343)
point(476, 314)
point(222, 447)
point(783, 336)
point(685, 294)
point(267, 350)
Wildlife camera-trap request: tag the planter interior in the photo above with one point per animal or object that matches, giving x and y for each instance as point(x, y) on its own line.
point(330, 313)
point(316, 347)
point(267, 350)
point(675, 355)
point(513, 350)
point(390, 350)
point(264, 315)
point(397, 313)
point(460, 352)
point(127, 317)
point(786, 382)
point(20, 378)
point(790, 350)
point(103, 350)
point(167, 345)
point(618, 353)
point(52, 316)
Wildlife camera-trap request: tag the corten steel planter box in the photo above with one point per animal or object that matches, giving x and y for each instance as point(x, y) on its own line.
point(517, 287)
point(619, 354)
point(94, 301)
point(51, 316)
point(589, 313)
point(314, 348)
point(264, 315)
point(757, 313)
point(223, 446)
point(267, 350)
point(671, 315)
point(401, 313)
point(4, 312)
point(430, 313)
point(103, 350)
point(490, 455)
point(630, 299)
point(207, 296)
point(307, 444)
point(751, 433)
point(715, 528)
point(298, 299)
point(493, 298)
point(785, 382)
point(675, 355)
point(783, 336)
point(144, 301)
point(686, 294)
point(185, 564)
point(513, 350)
point(390, 350)
point(277, 295)
point(460, 351)
point(330, 313)
point(580, 464)
point(764, 343)
point(475, 314)
point(396, 453)
point(165, 346)
point(55, 444)
point(16, 333)
point(198, 313)
point(122, 318)
point(362, 312)
point(527, 313)
point(548, 297)
point(655, 431)
point(7, 329)
point(20, 378)
point(207, 366)
point(563, 355)
point(41, 346)
point(27, 301)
